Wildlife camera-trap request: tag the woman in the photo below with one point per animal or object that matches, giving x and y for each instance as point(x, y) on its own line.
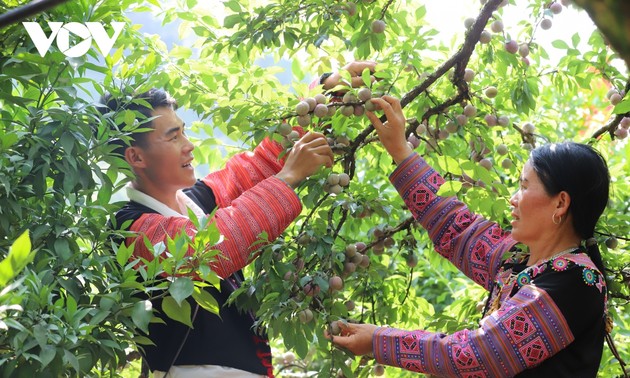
point(546, 315)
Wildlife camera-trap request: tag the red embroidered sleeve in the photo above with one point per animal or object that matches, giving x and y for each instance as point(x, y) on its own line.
point(244, 170)
point(527, 330)
point(472, 243)
point(269, 206)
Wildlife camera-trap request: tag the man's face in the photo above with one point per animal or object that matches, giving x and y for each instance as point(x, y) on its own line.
point(168, 152)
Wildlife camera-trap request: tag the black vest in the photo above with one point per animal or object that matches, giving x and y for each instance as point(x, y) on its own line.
point(228, 340)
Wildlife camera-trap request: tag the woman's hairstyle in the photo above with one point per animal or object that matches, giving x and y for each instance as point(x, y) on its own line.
point(582, 172)
point(143, 105)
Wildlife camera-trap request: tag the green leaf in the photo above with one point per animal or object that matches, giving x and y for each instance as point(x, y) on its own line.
point(142, 340)
point(234, 5)
point(366, 75)
point(181, 288)
point(8, 140)
point(301, 344)
point(177, 312)
point(40, 333)
point(181, 52)
point(62, 249)
point(296, 69)
point(622, 107)
point(47, 354)
point(123, 253)
point(449, 188)
point(575, 40)
point(141, 314)
point(99, 317)
point(129, 117)
point(67, 141)
point(560, 44)
point(19, 256)
point(71, 359)
point(206, 300)
point(232, 20)
point(448, 164)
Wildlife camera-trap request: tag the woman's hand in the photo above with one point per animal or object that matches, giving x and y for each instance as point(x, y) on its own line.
point(392, 132)
point(356, 69)
point(356, 338)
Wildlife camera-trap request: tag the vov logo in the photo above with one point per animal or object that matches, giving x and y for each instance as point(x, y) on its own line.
point(85, 32)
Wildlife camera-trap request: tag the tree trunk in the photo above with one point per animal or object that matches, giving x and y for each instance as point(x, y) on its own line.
point(612, 19)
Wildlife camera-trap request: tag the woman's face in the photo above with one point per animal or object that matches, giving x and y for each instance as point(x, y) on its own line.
point(532, 208)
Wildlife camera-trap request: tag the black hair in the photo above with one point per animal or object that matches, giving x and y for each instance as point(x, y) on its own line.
point(582, 172)
point(143, 105)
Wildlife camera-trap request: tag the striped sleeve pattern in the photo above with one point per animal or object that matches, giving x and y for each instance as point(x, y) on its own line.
point(245, 170)
point(472, 243)
point(527, 330)
point(270, 206)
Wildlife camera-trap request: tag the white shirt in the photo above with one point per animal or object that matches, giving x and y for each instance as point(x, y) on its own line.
point(144, 199)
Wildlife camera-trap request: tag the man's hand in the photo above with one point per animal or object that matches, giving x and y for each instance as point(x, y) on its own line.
point(356, 69)
point(306, 157)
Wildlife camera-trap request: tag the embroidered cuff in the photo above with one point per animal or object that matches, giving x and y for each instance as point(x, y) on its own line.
point(286, 183)
point(384, 346)
point(408, 173)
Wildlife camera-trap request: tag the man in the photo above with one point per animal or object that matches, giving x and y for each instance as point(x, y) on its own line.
point(252, 194)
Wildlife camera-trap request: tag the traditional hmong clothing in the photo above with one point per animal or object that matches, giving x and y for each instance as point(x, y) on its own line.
point(546, 322)
point(249, 201)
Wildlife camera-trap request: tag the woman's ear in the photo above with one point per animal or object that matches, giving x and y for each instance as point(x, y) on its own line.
point(564, 201)
point(135, 157)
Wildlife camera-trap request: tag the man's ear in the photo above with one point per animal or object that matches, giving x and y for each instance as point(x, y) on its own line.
point(135, 157)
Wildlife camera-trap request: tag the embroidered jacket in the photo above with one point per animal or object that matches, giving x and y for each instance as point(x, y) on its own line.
point(549, 321)
point(249, 200)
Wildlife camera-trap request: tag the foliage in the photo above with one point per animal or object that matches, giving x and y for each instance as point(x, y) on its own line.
point(75, 309)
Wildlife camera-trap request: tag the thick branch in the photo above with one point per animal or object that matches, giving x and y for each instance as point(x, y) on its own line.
point(613, 124)
point(460, 58)
point(611, 18)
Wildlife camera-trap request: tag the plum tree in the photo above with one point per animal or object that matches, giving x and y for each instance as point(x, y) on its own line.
point(57, 173)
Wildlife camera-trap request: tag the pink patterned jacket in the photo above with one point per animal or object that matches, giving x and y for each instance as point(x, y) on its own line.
point(549, 321)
